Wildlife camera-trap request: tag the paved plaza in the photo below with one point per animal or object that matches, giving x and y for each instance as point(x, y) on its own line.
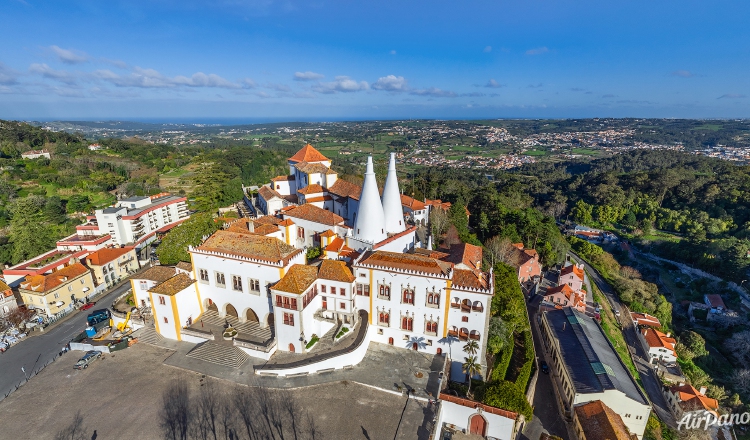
point(120, 397)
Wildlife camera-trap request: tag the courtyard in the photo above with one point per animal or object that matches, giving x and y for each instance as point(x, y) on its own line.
point(120, 397)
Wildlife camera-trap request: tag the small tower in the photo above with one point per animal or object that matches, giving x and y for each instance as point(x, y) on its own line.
point(369, 225)
point(394, 213)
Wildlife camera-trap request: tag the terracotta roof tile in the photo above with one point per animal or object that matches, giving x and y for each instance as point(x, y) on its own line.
point(286, 222)
point(655, 338)
point(298, 279)
point(342, 188)
point(474, 279)
point(412, 203)
point(242, 226)
point(312, 168)
point(45, 283)
point(3, 286)
point(318, 199)
point(692, 400)
point(335, 271)
point(413, 262)
point(156, 273)
point(104, 256)
point(308, 153)
point(715, 301)
point(184, 265)
point(465, 253)
point(267, 220)
point(258, 247)
point(282, 178)
point(268, 193)
point(572, 269)
point(599, 422)
point(645, 319)
point(314, 214)
point(328, 233)
point(266, 229)
point(173, 286)
point(311, 189)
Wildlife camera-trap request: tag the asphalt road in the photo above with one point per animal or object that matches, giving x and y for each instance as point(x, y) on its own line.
point(651, 383)
point(36, 351)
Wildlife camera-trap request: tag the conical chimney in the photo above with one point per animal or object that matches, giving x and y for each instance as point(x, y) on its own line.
point(394, 213)
point(369, 225)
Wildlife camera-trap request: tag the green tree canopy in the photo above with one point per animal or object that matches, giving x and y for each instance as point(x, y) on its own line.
point(173, 247)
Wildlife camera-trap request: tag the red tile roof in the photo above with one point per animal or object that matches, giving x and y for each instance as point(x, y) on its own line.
point(474, 279)
point(342, 188)
point(572, 269)
point(266, 229)
point(257, 247)
point(267, 220)
point(412, 203)
point(298, 279)
point(715, 301)
point(645, 319)
point(312, 168)
point(156, 273)
point(335, 271)
point(474, 404)
point(308, 153)
point(318, 199)
point(104, 256)
point(314, 214)
point(282, 178)
point(465, 253)
point(174, 285)
point(311, 189)
point(242, 226)
point(268, 193)
point(692, 400)
point(655, 338)
point(412, 262)
point(45, 283)
point(599, 422)
point(328, 233)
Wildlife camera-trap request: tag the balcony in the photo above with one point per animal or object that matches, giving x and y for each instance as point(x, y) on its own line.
point(463, 336)
point(474, 336)
point(453, 333)
point(455, 305)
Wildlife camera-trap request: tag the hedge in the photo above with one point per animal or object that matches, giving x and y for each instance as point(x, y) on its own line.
point(508, 396)
point(501, 367)
point(523, 376)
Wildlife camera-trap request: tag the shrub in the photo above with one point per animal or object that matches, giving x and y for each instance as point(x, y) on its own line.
point(312, 342)
point(506, 395)
point(314, 252)
point(501, 368)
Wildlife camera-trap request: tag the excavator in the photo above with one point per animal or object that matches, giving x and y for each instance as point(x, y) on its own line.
point(122, 328)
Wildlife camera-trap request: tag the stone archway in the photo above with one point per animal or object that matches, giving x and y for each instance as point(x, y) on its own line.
point(230, 311)
point(210, 305)
point(250, 316)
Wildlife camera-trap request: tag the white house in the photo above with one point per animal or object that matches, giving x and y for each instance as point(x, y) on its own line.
point(463, 415)
point(35, 154)
point(169, 318)
point(659, 346)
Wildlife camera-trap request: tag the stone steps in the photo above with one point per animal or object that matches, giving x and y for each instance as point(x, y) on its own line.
point(225, 355)
point(149, 336)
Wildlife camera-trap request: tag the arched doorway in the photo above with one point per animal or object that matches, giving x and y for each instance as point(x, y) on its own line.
point(291, 348)
point(439, 351)
point(390, 341)
point(231, 311)
point(251, 316)
point(477, 425)
point(211, 305)
point(415, 346)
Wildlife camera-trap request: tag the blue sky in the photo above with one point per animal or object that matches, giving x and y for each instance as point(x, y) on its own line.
point(319, 59)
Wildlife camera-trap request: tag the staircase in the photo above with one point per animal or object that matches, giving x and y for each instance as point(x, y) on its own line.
point(149, 336)
point(220, 354)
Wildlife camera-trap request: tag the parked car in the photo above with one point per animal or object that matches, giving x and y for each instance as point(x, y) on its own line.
point(545, 367)
point(87, 358)
point(88, 305)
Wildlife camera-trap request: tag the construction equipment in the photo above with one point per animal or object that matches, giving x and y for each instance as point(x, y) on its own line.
point(122, 328)
point(104, 332)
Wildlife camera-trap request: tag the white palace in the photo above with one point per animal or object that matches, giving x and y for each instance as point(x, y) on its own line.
point(374, 277)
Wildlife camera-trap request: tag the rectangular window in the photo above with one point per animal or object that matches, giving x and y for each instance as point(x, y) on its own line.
point(203, 275)
point(253, 284)
point(144, 284)
point(70, 288)
point(83, 282)
point(342, 291)
point(237, 283)
point(220, 281)
point(367, 290)
point(162, 301)
point(323, 288)
point(289, 318)
point(57, 295)
point(294, 303)
point(166, 321)
point(342, 306)
point(464, 319)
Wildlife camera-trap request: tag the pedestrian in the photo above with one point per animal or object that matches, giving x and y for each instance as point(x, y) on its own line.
point(201, 323)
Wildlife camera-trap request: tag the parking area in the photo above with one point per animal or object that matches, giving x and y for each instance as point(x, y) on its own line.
point(120, 395)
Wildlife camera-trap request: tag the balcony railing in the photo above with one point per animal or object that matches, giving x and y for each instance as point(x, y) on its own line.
point(465, 308)
point(452, 333)
point(474, 337)
point(455, 305)
point(463, 336)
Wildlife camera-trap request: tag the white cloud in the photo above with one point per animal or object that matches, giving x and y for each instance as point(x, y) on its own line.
point(341, 84)
point(492, 84)
point(150, 78)
point(50, 73)
point(393, 52)
point(248, 83)
point(68, 56)
point(307, 76)
point(488, 49)
point(434, 92)
point(537, 51)
point(391, 83)
point(8, 76)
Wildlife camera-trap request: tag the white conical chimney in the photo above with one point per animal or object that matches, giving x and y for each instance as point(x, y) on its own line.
point(394, 213)
point(370, 222)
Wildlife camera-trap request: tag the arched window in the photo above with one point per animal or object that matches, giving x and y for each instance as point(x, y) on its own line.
point(466, 306)
point(431, 327)
point(382, 290)
point(474, 335)
point(387, 319)
point(477, 306)
point(453, 331)
point(407, 323)
point(408, 296)
point(381, 317)
point(463, 333)
point(456, 303)
point(387, 291)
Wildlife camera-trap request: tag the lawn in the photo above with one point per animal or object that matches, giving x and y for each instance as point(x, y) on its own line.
point(585, 151)
point(613, 332)
point(536, 153)
point(709, 127)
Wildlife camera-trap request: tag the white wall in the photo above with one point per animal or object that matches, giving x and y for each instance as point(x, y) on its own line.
point(188, 306)
point(497, 426)
point(401, 244)
point(167, 329)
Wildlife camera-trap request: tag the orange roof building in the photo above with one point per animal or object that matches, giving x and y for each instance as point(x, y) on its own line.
point(308, 154)
point(659, 346)
point(564, 296)
point(597, 421)
point(57, 291)
point(684, 399)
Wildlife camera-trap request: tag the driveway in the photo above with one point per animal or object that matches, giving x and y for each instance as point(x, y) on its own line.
point(42, 348)
point(651, 383)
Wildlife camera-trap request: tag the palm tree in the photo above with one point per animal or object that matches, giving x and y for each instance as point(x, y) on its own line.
point(471, 347)
point(471, 368)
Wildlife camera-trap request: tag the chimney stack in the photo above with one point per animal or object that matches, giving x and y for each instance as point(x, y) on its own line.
point(702, 390)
